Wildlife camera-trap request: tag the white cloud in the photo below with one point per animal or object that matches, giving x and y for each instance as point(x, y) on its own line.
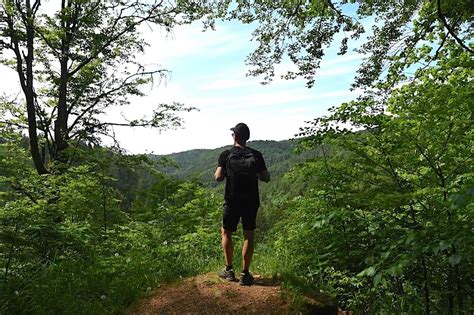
point(224, 84)
point(269, 98)
point(206, 130)
point(190, 41)
point(270, 115)
point(331, 68)
point(352, 56)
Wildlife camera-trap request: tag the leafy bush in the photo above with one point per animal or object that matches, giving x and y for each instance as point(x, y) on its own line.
point(386, 223)
point(67, 246)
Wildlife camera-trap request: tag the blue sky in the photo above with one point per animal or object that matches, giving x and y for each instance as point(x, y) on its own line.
point(208, 71)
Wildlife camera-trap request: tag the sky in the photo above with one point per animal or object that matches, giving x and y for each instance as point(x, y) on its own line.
point(208, 72)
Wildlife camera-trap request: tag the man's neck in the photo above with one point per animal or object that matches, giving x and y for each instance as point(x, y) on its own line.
point(238, 145)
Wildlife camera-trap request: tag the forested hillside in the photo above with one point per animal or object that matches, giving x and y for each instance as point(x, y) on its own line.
point(201, 164)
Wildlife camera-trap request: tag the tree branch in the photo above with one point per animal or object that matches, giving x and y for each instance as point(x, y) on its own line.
point(450, 30)
point(36, 6)
point(97, 99)
point(129, 27)
point(48, 43)
point(16, 49)
point(18, 187)
point(10, 123)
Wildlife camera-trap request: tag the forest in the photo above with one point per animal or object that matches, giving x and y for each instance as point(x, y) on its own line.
point(371, 204)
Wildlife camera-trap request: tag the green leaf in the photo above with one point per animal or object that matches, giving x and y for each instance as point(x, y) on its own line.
point(444, 245)
point(385, 254)
point(367, 272)
point(377, 278)
point(454, 259)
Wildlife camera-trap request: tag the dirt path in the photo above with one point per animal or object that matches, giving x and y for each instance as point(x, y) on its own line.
point(208, 294)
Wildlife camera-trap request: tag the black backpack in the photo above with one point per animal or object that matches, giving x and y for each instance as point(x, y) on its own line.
point(241, 169)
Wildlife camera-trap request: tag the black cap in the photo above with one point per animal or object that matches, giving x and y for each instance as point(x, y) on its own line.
point(242, 131)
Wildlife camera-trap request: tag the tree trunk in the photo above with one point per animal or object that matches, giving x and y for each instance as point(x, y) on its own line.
point(30, 93)
point(10, 256)
point(60, 125)
point(425, 285)
point(104, 207)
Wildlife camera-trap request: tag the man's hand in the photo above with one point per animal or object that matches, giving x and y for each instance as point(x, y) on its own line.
point(264, 176)
point(219, 174)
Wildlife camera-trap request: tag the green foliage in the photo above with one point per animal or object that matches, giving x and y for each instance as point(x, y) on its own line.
point(379, 215)
point(68, 245)
point(386, 224)
point(302, 32)
point(76, 59)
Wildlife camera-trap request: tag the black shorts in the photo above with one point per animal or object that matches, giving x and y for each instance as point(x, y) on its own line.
point(232, 213)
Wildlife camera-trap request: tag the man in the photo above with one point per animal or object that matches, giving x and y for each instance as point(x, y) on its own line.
point(241, 166)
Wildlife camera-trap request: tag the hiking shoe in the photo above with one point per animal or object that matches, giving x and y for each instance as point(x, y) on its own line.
point(227, 274)
point(246, 278)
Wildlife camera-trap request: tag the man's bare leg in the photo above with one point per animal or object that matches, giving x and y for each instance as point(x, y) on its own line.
point(227, 246)
point(247, 249)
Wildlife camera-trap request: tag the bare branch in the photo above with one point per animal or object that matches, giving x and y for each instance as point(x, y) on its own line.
point(36, 6)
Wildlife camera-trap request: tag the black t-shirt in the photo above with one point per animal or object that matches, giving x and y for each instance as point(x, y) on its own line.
point(260, 164)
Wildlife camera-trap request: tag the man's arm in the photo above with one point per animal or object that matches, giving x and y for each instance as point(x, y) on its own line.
point(219, 174)
point(264, 176)
point(262, 170)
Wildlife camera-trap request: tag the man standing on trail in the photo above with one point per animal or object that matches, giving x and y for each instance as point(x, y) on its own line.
point(241, 166)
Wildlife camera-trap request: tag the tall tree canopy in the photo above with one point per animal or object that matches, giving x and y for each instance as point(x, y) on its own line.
point(303, 30)
point(76, 60)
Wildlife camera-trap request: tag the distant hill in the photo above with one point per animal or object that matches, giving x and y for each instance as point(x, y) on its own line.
point(201, 163)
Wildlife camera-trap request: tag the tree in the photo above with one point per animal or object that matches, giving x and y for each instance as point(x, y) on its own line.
point(388, 217)
point(74, 64)
point(303, 30)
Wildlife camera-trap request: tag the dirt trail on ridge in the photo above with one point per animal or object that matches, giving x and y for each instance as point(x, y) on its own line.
point(208, 294)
